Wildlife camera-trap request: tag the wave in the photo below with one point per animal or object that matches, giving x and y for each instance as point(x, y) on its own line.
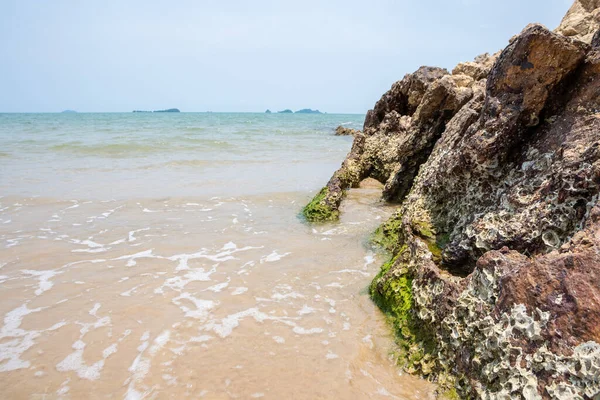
point(130, 149)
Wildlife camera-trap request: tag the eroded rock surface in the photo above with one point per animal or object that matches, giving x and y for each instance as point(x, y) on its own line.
point(581, 21)
point(343, 131)
point(493, 285)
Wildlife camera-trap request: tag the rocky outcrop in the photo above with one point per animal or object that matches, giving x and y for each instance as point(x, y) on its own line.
point(582, 20)
point(493, 284)
point(398, 136)
point(343, 131)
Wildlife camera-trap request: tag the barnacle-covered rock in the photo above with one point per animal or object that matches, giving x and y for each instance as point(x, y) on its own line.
point(493, 282)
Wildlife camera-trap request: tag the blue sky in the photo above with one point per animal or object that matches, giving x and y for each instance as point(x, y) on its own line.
point(234, 55)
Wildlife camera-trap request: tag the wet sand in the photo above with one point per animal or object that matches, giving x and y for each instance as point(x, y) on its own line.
point(192, 298)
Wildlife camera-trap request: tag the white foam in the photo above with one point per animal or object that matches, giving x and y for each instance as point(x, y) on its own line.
point(227, 324)
point(331, 356)
point(95, 309)
point(278, 339)
point(202, 306)
point(75, 362)
point(225, 254)
point(239, 290)
point(130, 291)
point(274, 256)
point(20, 339)
point(306, 310)
point(141, 365)
point(93, 247)
point(44, 278)
point(302, 331)
point(131, 235)
point(201, 339)
point(283, 296)
point(218, 287)
point(132, 258)
point(178, 283)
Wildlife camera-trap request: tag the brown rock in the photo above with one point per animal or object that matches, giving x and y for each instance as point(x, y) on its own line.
point(343, 131)
point(581, 21)
point(497, 235)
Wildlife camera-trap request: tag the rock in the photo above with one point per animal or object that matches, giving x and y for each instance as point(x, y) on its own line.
point(343, 131)
point(596, 39)
point(477, 69)
point(308, 111)
point(493, 282)
point(394, 144)
point(582, 20)
point(370, 183)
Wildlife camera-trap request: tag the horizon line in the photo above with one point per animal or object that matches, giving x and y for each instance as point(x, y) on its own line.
point(180, 112)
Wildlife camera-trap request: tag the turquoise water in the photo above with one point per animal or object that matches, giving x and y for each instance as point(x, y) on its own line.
point(125, 155)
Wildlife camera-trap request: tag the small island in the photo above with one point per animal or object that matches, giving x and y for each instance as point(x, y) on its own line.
point(308, 111)
point(268, 111)
point(69, 112)
point(286, 111)
point(169, 110)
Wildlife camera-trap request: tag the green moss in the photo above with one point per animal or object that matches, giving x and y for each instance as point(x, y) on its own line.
point(435, 243)
point(318, 211)
point(394, 296)
point(392, 292)
point(450, 394)
point(387, 236)
point(423, 229)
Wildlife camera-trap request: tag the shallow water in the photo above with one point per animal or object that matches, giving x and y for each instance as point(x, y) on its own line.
point(166, 286)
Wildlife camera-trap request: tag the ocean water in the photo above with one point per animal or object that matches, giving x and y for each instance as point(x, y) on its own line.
point(161, 256)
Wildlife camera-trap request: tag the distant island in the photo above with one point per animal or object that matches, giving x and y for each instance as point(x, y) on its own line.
point(170, 110)
point(303, 111)
point(69, 112)
point(308, 111)
point(268, 111)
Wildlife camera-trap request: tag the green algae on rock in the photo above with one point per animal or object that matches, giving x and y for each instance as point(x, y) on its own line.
point(493, 284)
point(318, 210)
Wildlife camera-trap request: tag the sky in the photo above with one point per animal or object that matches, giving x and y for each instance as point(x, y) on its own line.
point(338, 56)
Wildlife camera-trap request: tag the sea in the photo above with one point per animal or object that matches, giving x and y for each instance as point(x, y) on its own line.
point(163, 256)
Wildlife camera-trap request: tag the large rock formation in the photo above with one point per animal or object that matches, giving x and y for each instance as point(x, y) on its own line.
point(493, 285)
point(582, 20)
